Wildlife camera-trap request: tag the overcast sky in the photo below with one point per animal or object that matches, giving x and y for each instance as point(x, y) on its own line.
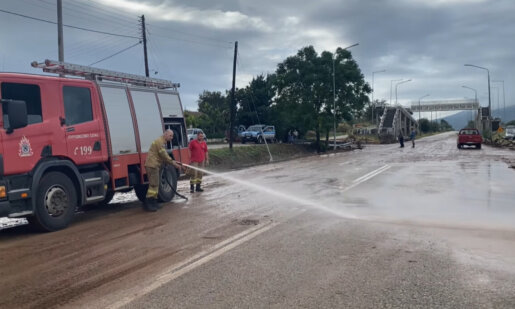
point(191, 42)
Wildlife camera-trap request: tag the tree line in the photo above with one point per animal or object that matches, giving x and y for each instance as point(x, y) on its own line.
point(426, 126)
point(298, 95)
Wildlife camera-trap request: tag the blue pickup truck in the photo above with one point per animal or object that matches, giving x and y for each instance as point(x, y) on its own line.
point(258, 133)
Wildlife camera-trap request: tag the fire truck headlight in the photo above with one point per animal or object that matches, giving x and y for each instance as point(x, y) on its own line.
point(3, 194)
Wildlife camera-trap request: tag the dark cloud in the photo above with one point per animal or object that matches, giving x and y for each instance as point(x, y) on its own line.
point(191, 41)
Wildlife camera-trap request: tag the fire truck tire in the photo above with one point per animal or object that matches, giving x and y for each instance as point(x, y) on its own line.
point(56, 202)
point(168, 177)
point(141, 192)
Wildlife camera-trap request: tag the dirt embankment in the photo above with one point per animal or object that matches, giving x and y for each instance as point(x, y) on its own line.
point(224, 159)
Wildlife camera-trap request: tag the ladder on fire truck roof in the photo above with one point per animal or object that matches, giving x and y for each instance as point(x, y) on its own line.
point(57, 67)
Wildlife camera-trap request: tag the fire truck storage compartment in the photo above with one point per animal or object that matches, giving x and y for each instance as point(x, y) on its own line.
point(121, 133)
point(170, 104)
point(148, 117)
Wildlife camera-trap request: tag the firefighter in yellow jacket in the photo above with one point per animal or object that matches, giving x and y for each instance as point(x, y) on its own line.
point(156, 156)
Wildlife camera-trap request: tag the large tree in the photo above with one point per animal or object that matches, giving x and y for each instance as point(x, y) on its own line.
point(215, 112)
point(254, 101)
point(305, 89)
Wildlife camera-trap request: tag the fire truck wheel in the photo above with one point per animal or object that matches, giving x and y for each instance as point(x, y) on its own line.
point(56, 202)
point(141, 192)
point(168, 178)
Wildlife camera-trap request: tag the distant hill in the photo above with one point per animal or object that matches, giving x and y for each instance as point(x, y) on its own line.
point(460, 120)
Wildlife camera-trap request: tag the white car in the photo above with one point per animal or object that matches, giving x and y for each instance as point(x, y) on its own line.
point(192, 134)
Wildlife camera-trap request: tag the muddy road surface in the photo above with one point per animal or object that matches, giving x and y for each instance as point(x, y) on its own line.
point(430, 226)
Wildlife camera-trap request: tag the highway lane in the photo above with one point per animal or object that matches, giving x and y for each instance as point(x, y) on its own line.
point(381, 227)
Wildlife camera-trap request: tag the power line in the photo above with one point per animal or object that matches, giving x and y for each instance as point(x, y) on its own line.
point(154, 50)
point(91, 48)
point(196, 35)
point(153, 56)
point(81, 12)
point(76, 7)
point(115, 13)
point(69, 26)
point(111, 56)
point(193, 41)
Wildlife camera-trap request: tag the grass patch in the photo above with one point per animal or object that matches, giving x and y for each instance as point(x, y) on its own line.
point(367, 138)
point(240, 157)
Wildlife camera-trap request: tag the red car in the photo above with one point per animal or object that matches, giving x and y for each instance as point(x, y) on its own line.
point(469, 137)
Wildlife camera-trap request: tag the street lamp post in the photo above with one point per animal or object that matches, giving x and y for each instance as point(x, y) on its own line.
point(391, 86)
point(497, 89)
point(475, 97)
point(419, 104)
point(373, 89)
point(475, 91)
point(396, 85)
point(334, 98)
point(489, 97)
point(503, 98)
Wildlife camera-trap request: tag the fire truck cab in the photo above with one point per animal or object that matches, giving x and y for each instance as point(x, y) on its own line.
point(70, 142)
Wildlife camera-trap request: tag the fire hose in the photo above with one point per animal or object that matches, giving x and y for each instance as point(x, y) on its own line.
point(173, 189)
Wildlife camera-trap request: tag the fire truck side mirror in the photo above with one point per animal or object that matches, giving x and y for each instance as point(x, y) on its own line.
point(17, 114)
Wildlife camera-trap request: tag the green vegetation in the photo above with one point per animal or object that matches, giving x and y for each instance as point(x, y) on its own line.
point(224, 159)
point(299, 95)
point(429, 127)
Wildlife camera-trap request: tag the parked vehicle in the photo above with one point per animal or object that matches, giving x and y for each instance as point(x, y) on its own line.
point(70, 142)
point(192, 134)
point(237, 133)
point(469, 137)
point(510, 132)
point(258, 133)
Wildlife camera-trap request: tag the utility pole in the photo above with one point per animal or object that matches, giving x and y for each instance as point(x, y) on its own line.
point(144, 37)
point(373, 90)
point(60, 41)
point(233, 102)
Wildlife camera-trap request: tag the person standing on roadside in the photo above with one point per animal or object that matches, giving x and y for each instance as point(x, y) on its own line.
point(412, 137)
point(199, 158)
point(156, 157)
point(401, 139)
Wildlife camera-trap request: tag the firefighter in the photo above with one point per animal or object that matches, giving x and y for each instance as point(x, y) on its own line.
point(156, 156)
point(199, 158)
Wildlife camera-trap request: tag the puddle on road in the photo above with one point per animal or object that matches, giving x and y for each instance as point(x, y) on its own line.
point(460, 193)
point(446, 193)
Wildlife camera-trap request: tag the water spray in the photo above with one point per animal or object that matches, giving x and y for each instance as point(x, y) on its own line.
point(272, 192)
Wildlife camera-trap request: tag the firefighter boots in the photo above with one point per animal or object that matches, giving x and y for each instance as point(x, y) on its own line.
point(151, 204)
point(199, 189)
point(192, 188)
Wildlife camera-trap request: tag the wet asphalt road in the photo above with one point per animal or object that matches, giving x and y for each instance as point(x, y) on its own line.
point(383, 227)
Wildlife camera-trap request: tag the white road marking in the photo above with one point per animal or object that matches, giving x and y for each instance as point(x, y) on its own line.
point(197, 260)
point(217, 250)
point(368, 176)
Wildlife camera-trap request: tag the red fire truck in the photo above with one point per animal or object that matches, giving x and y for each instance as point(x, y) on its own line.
point(70, 142)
